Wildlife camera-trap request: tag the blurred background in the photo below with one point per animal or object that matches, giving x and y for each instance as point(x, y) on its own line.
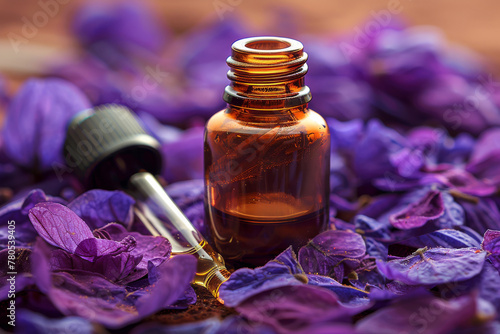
point(473, 24)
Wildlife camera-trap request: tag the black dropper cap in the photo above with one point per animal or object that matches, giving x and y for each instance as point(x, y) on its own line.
point(106, 145)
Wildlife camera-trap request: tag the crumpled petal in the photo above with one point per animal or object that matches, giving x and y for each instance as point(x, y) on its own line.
point(435, 266)
point(115, 267)
point(35, 124)
point(150, 249)
point(332, 253)
point(348, 295)
point(59, 226)
point(245, 283)
point(34, 323)
point(18, 211)
point(124, 26)
point(295, 308)
point(100, 207)
point(95, 298)
point(491, 244)
point(420, 315)
point(417, 214)
point(482, 215)
point(447, 238)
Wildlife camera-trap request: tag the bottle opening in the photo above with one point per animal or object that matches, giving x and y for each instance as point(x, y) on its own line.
point(268, 45)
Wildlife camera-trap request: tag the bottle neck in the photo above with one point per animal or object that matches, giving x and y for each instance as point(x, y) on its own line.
point(267, 73)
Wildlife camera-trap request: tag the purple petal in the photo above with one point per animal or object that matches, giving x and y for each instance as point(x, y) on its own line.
point(246, 282)
point(491, 244)
point(100, 207)
point(348, 295)
point(125, 25)
point(372, 154)
point(17, 211)
point(175, 277)
point(95, 298)
point(294, 308)
point(485, 158)
point(34, 323)
point(35, 125)
point(482, 215)
point(417, 214)
point(420, 315)
point(184, 156)
point(151, 249)
point(446, 238)
point(331, 253)
point(435, 266)
point(116, 268)
point(92, 247)
point(59, 226)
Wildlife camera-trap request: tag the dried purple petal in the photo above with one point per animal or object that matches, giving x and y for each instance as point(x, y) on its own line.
point(59, 226)
point(295, 308)
point(100, 207)
point(372, 154)
point(115, 267)
point(418, 315)
point(332, 253)
point(446, 238)
point(435, 266)
point(150, 249)
point(491, 244)
point(34, 323)
point(348, 295)
point(125, 26)
point(417, 214)
point(95, 298)
point(485, 159)
point(245, 283)
point(185, 156)
point(482, 215)
point(35, 125)
point(18, 211)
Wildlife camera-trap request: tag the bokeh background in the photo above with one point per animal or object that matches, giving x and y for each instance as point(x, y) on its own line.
point(473, 24)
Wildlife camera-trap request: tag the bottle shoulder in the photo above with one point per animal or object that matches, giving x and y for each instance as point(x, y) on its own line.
point(307, 121)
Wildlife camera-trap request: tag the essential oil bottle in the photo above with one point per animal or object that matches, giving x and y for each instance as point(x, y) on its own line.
point(267, 156)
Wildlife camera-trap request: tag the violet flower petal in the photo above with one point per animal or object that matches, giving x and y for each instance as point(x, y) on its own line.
point(150, 248)
point(435, 266)
point(295, 308)
point(245, 283)
point(59, 226)
point(331, 253)
point(35, 125)
point(348, 296)
point(100, 207)
point(175, 277)
point(115, 267)
point(34, 323)
point(446, 238)
point(418, 315)
point(18, 211)
point(125, 25)
point(417, 214)
point(95, 298)
point(491, 244)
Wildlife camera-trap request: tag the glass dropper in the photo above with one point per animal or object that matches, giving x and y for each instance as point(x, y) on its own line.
point(108, 149)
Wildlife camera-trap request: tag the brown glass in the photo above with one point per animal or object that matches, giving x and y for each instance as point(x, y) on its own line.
point(266, 155)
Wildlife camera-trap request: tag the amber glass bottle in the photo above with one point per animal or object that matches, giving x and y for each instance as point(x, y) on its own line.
point(267, 155)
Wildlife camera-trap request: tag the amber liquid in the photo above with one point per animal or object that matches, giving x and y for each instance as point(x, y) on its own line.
point(262, 231)
point(267, 188)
